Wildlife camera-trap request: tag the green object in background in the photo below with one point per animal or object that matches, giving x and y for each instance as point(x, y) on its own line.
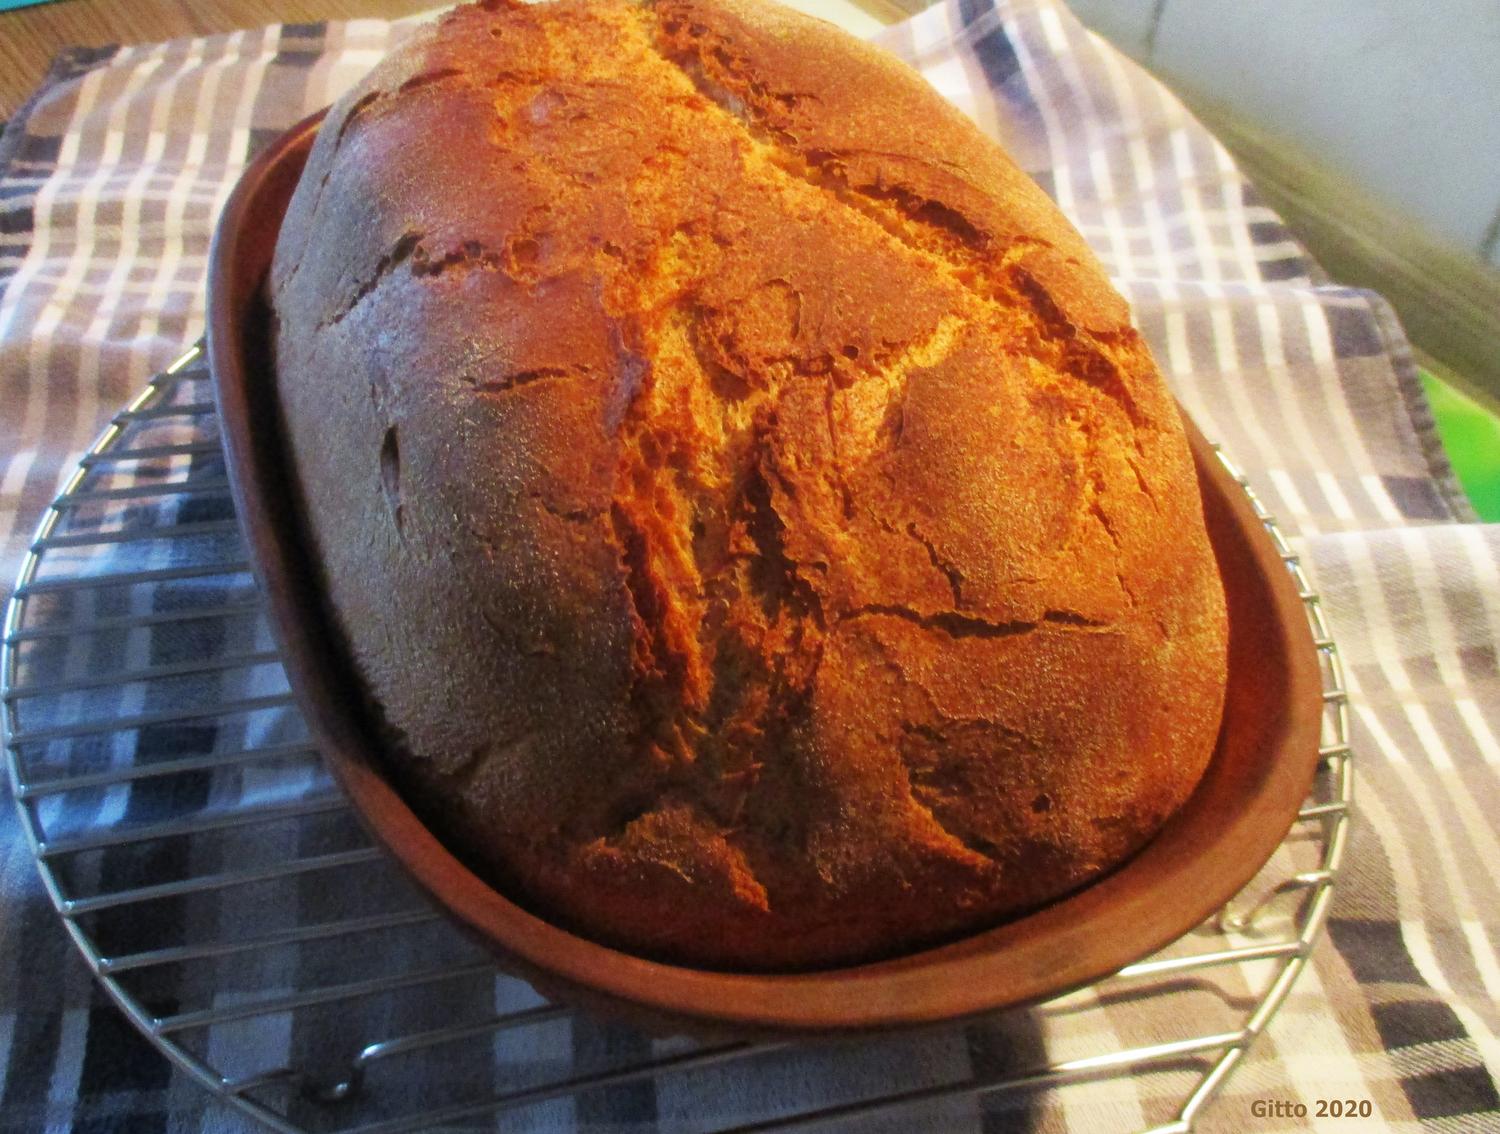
point(1471, 436)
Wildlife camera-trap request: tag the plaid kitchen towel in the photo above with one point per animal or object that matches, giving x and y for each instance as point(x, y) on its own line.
point(142, 791)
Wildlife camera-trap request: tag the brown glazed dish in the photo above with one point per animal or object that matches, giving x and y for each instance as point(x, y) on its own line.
point(1255, 783)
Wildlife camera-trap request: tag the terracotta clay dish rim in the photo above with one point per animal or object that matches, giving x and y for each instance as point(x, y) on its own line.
point(1256, 782)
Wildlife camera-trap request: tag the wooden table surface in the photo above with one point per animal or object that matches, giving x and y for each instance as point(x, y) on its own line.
point(30, 37)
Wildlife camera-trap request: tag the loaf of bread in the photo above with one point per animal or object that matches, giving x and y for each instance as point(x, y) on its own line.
point(762, 537)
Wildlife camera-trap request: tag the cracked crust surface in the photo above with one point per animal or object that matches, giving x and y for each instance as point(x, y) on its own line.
point(764, 537)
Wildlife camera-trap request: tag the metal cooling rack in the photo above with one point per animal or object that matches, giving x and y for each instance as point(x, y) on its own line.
point(217, 885)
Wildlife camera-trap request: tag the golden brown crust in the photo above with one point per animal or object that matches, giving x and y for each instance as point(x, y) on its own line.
point(763, 533)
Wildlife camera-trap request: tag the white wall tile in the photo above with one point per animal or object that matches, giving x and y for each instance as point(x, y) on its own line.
point(1492, 236)
point(1125, 23)
point(1402, 95)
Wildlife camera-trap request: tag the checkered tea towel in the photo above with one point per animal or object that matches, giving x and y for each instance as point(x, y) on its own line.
point(169, 805)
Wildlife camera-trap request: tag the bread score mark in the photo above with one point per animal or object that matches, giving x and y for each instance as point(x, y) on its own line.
point(659, 503)
point(957, 624)
point(947, 240)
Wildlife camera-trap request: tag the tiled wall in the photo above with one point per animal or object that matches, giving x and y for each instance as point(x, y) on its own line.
point(1401, 95)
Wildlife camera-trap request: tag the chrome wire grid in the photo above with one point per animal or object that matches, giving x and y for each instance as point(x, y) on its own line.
point(218, 886)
